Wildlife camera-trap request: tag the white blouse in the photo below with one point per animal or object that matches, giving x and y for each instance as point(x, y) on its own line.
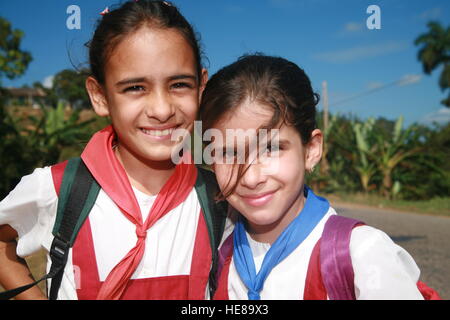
point(31, 210)
point(383, 270)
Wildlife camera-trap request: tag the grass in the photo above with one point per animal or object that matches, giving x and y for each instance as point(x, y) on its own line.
point(436, 206)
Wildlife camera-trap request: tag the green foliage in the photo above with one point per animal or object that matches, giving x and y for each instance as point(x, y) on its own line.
point(13, 63)
point(381, 157)
point(50, 99)
point(364, 134)
point(53, 132)
point(13, 60)
point(429, 174)
point(37, 141)
point(435, 51)
point(389, 153)
point(69, 85)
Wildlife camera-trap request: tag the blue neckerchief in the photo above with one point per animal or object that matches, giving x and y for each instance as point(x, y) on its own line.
point(314, 209)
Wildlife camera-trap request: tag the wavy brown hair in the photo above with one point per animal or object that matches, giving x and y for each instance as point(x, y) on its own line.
point(272, 81)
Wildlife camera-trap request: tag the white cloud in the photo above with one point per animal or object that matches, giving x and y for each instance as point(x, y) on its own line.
point(353, 27)
point(360, 52)
point(408, 79)
point(374, 85)
point(441, 116)
point(48, 82)
point(431, 14)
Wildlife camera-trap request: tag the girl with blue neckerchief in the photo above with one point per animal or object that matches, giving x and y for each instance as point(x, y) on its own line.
point(271, 247)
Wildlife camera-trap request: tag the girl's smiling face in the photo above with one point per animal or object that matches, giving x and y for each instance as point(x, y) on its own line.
point(270, 192)
point(151, 89)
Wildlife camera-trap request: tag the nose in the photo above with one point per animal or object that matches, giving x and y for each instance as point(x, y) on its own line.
point(254, 176)
point(160, 106)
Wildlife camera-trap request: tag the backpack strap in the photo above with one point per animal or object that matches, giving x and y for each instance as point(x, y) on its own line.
point(77, 191)
point(335, 260)
point(225, 251)
point(336, 265)
point(214, 213)
point(314, 287)
point(77, 195)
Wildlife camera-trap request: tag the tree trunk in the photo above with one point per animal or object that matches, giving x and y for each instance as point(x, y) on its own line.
point(387, 184)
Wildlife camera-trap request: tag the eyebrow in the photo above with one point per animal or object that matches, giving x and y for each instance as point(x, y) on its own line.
point(183, 76)
point(144, 79)
point(284, 142)
point(130, 81)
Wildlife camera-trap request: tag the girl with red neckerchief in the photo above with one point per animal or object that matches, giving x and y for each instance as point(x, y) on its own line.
point(146, 237)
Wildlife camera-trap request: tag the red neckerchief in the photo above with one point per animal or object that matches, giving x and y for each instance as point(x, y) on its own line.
point(101, 161)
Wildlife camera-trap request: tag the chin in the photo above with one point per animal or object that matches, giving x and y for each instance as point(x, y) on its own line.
point(262, 218)
point(158, 152)
point(153, 157)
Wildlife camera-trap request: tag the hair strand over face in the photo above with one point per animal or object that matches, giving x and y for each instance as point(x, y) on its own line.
point(270, 81)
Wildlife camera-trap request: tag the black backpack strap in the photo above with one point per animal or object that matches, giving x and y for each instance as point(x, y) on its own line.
point(214, 213)
point(78, 193)
point(76, 199)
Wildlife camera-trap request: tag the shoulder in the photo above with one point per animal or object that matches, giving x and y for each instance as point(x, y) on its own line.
point(30, 209)
point(362, 236)
point(374, 244)
point(383, 269)
point(37, 185)
point(365, 238)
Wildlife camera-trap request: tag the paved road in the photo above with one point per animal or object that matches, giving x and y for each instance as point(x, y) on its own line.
point(426, 238)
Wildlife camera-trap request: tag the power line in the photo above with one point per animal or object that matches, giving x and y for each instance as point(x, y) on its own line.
point(365, 93)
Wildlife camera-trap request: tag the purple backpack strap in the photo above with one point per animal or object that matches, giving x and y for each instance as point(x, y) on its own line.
point(335, 261)
point(225, 251)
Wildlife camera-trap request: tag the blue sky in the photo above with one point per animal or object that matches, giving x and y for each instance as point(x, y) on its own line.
point(329, 39)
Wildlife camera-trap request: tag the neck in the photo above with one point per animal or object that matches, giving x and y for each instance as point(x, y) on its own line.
point(145, 175)
point(269, 233)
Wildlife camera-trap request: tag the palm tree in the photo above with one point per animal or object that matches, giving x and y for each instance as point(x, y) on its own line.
point(435, 52)
point(390, 153)
point(364, 134)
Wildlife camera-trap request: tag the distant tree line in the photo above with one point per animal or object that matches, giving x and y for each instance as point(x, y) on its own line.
point(370, 156)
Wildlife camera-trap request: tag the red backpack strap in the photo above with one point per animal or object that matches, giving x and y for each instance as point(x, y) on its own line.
point(335, 260)
point(314, 287)
point(427, 292)
point(57, 174)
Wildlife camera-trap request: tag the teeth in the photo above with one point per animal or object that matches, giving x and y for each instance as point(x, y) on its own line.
point(158, 133)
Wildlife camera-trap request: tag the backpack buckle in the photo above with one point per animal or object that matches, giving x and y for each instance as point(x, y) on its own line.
point(59, 251)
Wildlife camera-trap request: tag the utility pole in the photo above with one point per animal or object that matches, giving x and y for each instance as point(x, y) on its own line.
point(324, 167)
point(325, 105)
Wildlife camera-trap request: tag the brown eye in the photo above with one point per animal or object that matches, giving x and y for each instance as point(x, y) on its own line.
point(273, 148)
point(181, 85)
point(134, 89)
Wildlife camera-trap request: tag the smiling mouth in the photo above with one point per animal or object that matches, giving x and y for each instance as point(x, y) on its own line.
point(158, 133)
point(258, 200)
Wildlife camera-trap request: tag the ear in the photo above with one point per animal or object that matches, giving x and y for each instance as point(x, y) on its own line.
point(203, 81)
point(97, 96)
point(314, 150)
